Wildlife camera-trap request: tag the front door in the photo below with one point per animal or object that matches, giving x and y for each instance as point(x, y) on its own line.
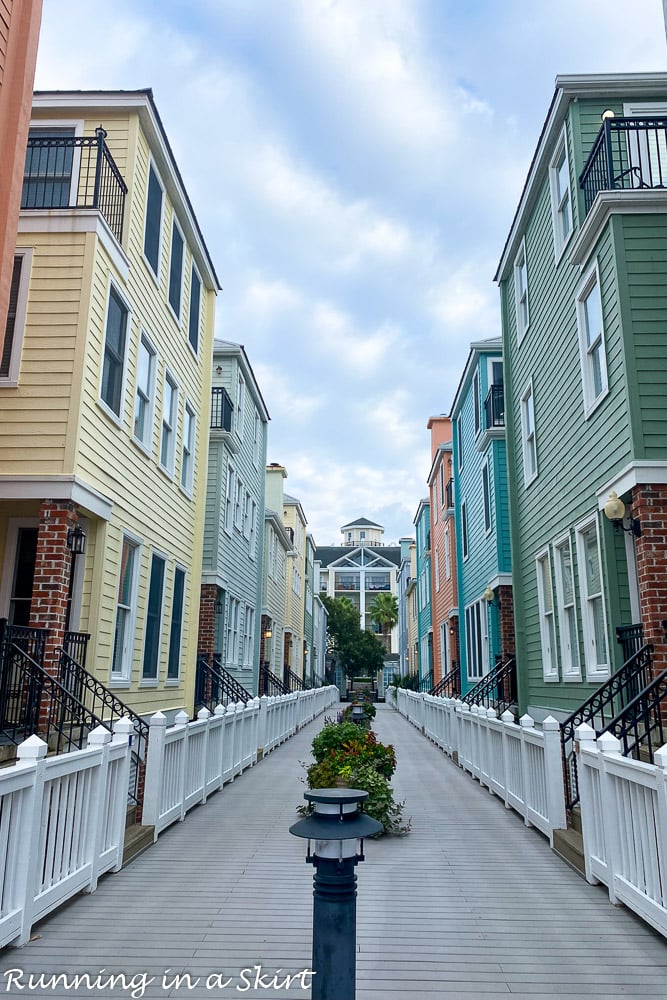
point(20, 597)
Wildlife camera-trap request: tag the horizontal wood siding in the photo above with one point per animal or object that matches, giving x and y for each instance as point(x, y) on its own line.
point(575, 456)
point(644, 245)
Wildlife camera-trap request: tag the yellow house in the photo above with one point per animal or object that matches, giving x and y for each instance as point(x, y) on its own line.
point(295, 522)
point(105, 387)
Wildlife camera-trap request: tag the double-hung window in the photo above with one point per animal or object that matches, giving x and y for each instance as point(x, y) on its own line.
point(10, 358)
point(188, 449)
point(521, 291)
point(561, 196)
point(121, 662)
point(229, 500)
point(248, 636)
point(464, 529)
point(144, 400)
point(567, 612)
point(169, 410)
point(176, 627)
point(477, 640)
point(176, 269)
point(592, 350)
point(153, 619)
point(596, 654)
point(545, 599)
point(233, 637)
point(528, 439)
point(240, 406)
point(152, 232)
point(115, 342)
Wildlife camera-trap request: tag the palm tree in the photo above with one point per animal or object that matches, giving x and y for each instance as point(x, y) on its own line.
point(383, 611)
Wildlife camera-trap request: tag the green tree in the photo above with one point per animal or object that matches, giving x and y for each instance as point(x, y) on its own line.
point(358, 652)
point(363, 655)
point(383, 610)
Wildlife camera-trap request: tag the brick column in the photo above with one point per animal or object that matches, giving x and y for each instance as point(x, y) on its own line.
point(50, 590)
point(649, 505)
point(507, 640)
point(207, 599)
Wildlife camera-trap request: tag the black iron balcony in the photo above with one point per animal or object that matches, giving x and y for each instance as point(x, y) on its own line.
point(494, 407)
point(221, 409)
point(74, 172)
point(449, 494)
point(628, 154)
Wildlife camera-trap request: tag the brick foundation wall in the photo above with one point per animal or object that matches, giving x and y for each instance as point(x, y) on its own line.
point(207, 599)
point(649, 505)
point(507, 640)
point(53, 563)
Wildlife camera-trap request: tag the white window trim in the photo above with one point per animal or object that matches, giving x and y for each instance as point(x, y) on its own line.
point(156, 277)
point(550, 666)
point(58, 124)
point(240, 408)
point(178, 679)
point(11, 380)
point(521, 260)
point(590, 281)
point(476, 403)
point(470, 615)
point(150, 411)
point(188, 410)
point(526, 394)
point(124, 679)
point(151, 682)
point(178, 316)
point(560, 242)
point(486, 496)
point(570, 671)
point(593, 672)
point(170, 467)
point(465, 538)
point(116, 417)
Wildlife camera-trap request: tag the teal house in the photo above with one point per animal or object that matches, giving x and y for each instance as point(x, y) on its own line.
point(583, 283)
point(422, 522)
point(483, 558)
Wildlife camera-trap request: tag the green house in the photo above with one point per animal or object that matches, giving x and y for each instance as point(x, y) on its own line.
point(583, 281)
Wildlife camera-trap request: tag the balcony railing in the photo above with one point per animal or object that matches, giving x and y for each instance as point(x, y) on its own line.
point(629, 153)
point(449, 494)
point(221, 409)
point(494, 407)
point(74, 172)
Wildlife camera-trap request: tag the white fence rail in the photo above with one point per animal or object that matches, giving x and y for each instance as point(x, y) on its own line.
point(624, 821)
point(190, 760)
point(518, 763)
point(62, 825)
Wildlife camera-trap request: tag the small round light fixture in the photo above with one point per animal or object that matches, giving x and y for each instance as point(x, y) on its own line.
point(488, 595)
point(614, 509)
point(606, 114)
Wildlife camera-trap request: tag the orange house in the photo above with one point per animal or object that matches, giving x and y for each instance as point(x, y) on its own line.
point(19, 33)
point(443, 555)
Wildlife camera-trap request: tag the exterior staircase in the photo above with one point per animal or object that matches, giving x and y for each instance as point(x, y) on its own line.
point(569, 844)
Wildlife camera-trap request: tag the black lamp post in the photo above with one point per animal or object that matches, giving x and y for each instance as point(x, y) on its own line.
point(337, 826)
point(358, 715)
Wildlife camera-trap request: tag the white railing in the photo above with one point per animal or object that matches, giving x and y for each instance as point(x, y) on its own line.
point(518, 763)
point(62, 825)
point(624, 822)
point(188, 761)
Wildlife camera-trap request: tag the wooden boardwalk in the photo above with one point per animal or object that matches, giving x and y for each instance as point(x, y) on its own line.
point(471, 903)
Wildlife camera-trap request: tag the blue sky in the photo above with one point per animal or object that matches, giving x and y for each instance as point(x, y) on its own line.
point(354, 166)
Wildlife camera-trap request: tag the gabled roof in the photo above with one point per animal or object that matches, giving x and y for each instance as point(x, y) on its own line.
point(343, 555)
point(225, 348)
point(361, 522)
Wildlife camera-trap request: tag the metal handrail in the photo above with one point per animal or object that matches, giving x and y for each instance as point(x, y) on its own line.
point(216, 686)
point(293, 681)
point(497, 689)
point(426, 683)
point(448, 686)
point(269, 683)
point(599, 711)
point(49, 179)
point(641, 726)
point(628, 153)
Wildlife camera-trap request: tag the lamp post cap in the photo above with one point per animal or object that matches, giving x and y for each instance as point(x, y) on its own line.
point(336, 796)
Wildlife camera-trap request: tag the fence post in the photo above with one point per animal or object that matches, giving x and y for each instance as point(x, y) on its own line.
point(608, 744)
point(660, 760)
point(525, 722)
point(553, 772)
point(99, 737)
point(182, 719)
point(261, 727)
point(123, 731)
point(507, 720)
point(154, 767)
point(31, 752)
point(221, 710)
point(584, 736)
point(204, 715)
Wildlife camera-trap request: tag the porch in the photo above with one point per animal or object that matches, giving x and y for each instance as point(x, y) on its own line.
point(471, 903)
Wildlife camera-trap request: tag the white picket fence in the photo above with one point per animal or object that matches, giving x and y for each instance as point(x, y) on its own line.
point(624, 821)
point(189, 760)
point(62, 825)
point(518, 763)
